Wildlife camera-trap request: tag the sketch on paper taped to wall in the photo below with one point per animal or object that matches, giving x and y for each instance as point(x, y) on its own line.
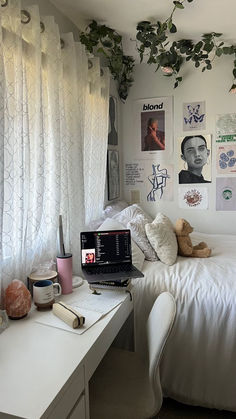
point(194, 116)
point(153, 180)
point(158, 180)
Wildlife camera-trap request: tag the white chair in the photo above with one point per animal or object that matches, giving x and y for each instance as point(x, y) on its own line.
point(122, 387)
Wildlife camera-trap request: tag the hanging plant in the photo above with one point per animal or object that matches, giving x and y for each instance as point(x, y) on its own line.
point(108, 42)
point(152, 41)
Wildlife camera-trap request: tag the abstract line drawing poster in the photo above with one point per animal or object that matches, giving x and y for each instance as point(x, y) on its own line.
point(154, 180)
point(225, 194)
point(194, 116)
point(153, 127)
point(112, 130)
point(226, 159)
point(193, 197)
point(226, 128)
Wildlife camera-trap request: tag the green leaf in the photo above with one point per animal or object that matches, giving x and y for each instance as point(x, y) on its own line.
point(188, 58)
point(176, 84)
point(219, 52)
point(198, 46)
point(226, 50)
point(234, 72)
point(178, 4)
point(197, 64)
point(203, 69)
point(169, 24)
point(179, 78)
point(173, 28)
point(209, 66)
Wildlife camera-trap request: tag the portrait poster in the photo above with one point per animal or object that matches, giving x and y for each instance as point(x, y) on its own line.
point(226, 158)
point(194, 159)
point(153, 179)
point(195, 197)
point(226, 128)
point(153, 127)
point(113, 122)
point(194, 116)
point(113, 174)
point(226, 194)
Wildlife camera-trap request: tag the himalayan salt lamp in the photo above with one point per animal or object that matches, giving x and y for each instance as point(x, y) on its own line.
point(17, 300)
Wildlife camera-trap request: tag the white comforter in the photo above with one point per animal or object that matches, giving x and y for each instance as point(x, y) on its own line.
point(199, 363)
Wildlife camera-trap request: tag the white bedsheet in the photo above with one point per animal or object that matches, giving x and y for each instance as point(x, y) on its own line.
point(199, 363)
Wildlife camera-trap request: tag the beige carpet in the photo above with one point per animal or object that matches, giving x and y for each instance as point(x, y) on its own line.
point(173, 410)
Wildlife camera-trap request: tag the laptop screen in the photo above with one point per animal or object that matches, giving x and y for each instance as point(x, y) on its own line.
point(105, 247)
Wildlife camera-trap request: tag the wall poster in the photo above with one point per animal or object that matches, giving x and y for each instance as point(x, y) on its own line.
point(194, 159)
point(226, 194)
point(193, 197)
point(226, 158)
point(194, 116)
point(226, 128)
point(113, 124)
point(153, 126)
point(113, 174)
point(154, 180)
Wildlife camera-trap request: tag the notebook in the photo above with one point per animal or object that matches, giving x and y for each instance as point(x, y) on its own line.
point(106, 256)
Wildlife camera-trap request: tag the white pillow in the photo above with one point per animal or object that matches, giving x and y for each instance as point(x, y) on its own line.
point(131, 213)
point(138, 233)
point(137, 254)
point(163, 239)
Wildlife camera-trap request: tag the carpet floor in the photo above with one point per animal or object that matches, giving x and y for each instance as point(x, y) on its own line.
point(174, 410)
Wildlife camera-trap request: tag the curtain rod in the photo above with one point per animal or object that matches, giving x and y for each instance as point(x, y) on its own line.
point(26, 18)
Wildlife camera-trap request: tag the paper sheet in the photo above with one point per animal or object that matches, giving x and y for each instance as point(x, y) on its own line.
point(92, 307)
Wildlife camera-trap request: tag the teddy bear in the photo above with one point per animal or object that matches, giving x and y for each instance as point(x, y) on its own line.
point(185, 247)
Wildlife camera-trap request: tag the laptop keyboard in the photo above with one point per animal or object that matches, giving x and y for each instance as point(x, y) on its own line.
point(110, 269)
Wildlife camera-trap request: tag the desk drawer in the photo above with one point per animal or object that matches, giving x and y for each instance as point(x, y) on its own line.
point(69, 397)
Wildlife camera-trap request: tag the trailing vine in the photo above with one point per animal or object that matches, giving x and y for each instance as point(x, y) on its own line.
point(152, 40)
point(108, 42)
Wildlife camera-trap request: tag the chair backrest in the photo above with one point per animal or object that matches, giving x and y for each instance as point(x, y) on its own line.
point(159, 325)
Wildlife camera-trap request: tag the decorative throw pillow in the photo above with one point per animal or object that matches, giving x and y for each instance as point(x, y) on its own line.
point(130, 213)
point(161, 235)
point(138, 233)
point(137, 254)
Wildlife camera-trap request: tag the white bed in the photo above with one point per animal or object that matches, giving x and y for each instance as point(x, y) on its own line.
point(199, 363)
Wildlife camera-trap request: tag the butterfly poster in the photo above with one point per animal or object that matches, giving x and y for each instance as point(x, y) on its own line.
point(194, 116)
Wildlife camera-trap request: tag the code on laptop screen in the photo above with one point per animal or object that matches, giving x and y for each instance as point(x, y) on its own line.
point(103, 247)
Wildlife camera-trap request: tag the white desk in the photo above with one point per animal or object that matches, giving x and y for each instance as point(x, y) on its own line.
point(44, 371)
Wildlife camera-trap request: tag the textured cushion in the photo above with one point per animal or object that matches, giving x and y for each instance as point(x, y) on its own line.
point(137, 254)
point(130, 213)
point(138, 233)
point(161, 235)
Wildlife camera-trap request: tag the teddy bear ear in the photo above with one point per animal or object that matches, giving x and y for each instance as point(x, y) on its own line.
point(180, 223)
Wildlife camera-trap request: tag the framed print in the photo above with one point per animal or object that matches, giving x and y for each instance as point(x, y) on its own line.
point(113, 124)
point(113, 174)
point(153, 126)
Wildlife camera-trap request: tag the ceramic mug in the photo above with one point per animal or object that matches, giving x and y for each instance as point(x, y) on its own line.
point(44, 293)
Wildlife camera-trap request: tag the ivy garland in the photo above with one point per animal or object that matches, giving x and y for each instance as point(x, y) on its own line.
point(152, 41)
point(109, 43)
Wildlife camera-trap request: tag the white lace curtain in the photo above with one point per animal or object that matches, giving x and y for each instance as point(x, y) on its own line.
point(53, 118)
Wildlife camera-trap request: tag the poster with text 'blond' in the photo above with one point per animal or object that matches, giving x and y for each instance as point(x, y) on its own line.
point(154, 180)
point(153, 127)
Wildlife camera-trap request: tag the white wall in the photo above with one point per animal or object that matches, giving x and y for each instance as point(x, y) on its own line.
point(211, 86)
